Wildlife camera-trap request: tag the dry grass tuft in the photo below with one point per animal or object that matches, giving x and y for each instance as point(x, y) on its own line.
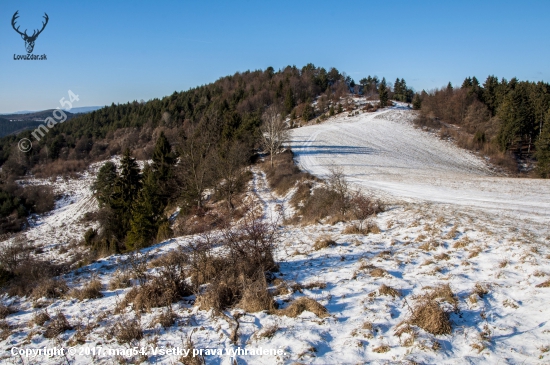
point(378, 272)
point(503, 263)
point(474, 252)
point(268, 331)
point(159, 292)
point(465, 241)
point(6, 311)
point(545, 284)
point(303, 304)
point(480, 290)
point(120, 280)
point(57, 326)
point(128, 330)
point(315, 284)
point(381, 349)
point(5, 330)
point(388, 290)
point(40, 318)
point(92, 290)
point(442, 256)
point(256, 297)
point(429, 246)
point(324, 242)
point(166, 319)
point(452, 233)
point(429, 316)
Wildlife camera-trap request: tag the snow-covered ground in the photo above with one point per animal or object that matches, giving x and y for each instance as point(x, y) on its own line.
point(451, 221)
point(382, 151)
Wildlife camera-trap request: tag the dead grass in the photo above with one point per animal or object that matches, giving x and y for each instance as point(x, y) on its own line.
point(480, 290)
point(463, 242)
point(127, 330)
point(429, 316)
point(474, 252)
point(40, 318)
point(388, 290)
point(303, 304)
point(50, 288)
point(315, 285)
point(92, 290)
point(503, 263)
point(429, 246)
point(381, 349)
point(57, 325)
point(452, 232)
point(5, 330)
point(6, 311)
point(268, 331)
point(378, 272)
point(159, 292)
point(166, 318)
point(256, 297)
point(120, 280)
point(545, 284)
point(442, 256)
point(324, 242)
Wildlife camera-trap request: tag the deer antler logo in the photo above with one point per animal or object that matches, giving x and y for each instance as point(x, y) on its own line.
point(29, 40)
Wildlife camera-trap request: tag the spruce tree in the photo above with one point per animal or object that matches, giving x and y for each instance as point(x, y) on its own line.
point(104, 184)
point(146, 213)
point(125, 191)
point(383, 93)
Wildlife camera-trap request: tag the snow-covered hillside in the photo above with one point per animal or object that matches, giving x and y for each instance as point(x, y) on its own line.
point(382, 151)
point(451, 221)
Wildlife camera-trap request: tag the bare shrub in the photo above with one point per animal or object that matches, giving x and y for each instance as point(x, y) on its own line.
point(284, 174)
point(127, 330)
point(324, 242)
point(91, 290)
point(303, 304)
point(12, 254)
point(158, 292)
point(50, 288)
point(57, 325)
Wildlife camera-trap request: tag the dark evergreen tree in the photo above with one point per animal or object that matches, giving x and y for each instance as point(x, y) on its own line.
point(146, 213)
point(125, 192)
point(383, 93)
point(104, 184)
point(543, 149)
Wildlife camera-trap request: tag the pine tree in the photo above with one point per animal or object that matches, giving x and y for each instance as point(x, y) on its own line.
point(163, 159)
point(383, 93)
point(104, 184)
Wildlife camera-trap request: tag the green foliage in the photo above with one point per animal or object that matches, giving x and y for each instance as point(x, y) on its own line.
point(543, 149)
point(105, 183)
point(417, 102)
point(383, 93)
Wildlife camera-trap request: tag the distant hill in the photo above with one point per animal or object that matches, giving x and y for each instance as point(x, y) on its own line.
point(15, 123)
point(80, 110)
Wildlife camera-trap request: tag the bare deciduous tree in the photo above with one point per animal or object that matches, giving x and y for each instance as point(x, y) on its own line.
point(274, 131)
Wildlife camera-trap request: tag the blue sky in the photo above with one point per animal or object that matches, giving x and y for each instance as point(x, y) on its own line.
point(118, 51)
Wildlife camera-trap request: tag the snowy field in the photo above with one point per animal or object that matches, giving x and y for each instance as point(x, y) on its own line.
point(383, 152)
point(451, 220)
